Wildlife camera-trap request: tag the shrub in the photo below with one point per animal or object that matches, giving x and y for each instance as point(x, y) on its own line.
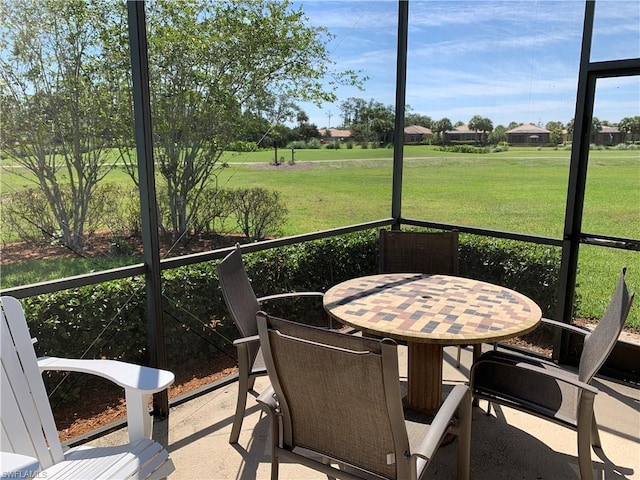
point(297, 144)
point(333, 145)
point(258, 212)
point(29, 216)
point(463, 149)
point(108, 320)
point(314, 144)
point(500, 148)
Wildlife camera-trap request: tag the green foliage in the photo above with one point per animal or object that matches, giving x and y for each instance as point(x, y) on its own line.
point(242, 146)
point(259, 212)
point(333, 145)
point(500, 148)
point(313, 144)
point(30, 215)
point(533, 270)
point(463, 149)
point(108, 320)
point(297, 144)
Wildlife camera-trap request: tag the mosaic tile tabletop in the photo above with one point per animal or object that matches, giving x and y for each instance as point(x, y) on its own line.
point(432, 308)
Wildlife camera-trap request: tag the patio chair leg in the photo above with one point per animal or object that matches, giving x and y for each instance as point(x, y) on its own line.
point(595, 435)
point(464, 439)
point(584, 453)
point(243, 387)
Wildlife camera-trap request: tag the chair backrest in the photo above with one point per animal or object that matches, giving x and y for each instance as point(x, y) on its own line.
point(238, 293)
point(339, 395)
point(28, 426)
point(600, 342)
point(418, 252)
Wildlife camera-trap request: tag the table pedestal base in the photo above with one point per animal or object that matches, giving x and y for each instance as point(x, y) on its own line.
point(424, 377)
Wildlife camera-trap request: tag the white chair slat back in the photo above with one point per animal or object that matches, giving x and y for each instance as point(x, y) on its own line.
point(28, 426)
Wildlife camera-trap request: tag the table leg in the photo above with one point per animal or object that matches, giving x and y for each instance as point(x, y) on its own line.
point(424, 376)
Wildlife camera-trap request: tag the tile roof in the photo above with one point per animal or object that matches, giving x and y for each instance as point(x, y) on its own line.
point(528, 128)
point(417, 130)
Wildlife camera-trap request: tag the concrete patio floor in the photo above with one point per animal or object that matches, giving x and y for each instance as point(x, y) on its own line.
point(506, 445)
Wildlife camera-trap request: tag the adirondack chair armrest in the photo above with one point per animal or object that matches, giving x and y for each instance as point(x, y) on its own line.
point(139, 383)
point(15, 465)
point(279, 296)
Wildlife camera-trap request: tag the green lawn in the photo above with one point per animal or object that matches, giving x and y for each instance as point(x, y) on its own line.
point(522, 190)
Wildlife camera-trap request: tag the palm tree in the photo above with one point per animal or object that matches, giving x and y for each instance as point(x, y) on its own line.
point(475, 124)
point(441, 126)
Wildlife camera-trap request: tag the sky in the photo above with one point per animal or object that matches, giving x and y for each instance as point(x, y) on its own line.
point(503, 60)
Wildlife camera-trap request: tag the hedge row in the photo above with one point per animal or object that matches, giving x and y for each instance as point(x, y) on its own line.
point(107, 320)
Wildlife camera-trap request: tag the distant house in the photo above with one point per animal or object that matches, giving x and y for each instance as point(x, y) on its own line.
point(460, 134)
point(334, 135)
point(416, 134)
point(608, 136)
point(528, 134)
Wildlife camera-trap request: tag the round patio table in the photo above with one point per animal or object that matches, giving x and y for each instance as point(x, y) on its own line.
point(429, 312)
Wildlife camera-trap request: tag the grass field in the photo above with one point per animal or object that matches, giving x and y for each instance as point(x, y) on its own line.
point(522, 190)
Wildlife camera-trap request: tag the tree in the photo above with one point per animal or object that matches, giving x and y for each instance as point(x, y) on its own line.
point(372, 121)
point(474, 124)
point(440, 127)
point(556, 130)
point(630, 125)
point(482, 124)
point(596, 126)
point(213, 61)
point(57, 104)
point(497, 135)
point(417, 119)
point(353, 111)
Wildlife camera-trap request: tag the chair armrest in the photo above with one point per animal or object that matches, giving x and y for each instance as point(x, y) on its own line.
point(561, 376)
point(127, 375)
point(268, 398)
point(566, 326)
point(139, 384)
point(245, 340)
point(442, 421)
point(278, 296)
point(15, 465)
point(516, 361)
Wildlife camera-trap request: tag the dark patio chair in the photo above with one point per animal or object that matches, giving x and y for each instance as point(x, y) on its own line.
point(550, 391)
point(336, 406)
point(243, 305)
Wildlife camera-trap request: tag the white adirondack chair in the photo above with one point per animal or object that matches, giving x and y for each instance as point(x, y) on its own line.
point(29, 443)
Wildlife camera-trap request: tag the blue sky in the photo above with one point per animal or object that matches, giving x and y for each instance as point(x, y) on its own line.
point(505, 60)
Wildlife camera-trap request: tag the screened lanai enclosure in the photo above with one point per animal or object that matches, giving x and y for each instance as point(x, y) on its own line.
point(143, 140)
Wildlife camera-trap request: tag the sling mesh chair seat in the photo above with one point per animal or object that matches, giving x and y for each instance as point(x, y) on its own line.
point(549, 391)
point(337, 397)
point(243, 305)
